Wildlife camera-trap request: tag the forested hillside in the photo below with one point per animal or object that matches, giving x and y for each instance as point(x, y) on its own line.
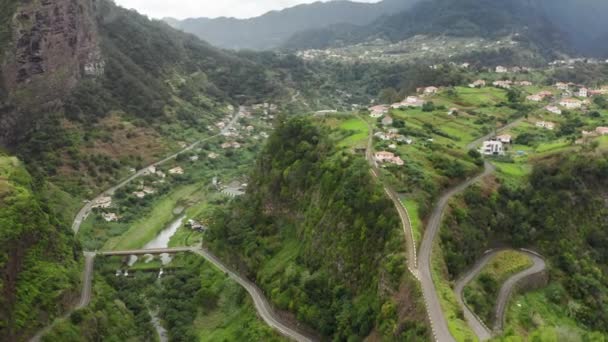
point(550, 27)
point(561, 213)
point(131, 82)
point(272, 29)
point(38, 256)
point(321, 239)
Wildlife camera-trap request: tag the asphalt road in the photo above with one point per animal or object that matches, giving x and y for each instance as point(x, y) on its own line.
point(440, 325)
point(87, 208)
point(85, 294)
point(261, 303)
point(475, 323)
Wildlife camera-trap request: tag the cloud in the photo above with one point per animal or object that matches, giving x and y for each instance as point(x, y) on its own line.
point(209, 8)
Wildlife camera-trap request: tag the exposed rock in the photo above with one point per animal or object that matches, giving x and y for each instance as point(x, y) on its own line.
point(55, 44)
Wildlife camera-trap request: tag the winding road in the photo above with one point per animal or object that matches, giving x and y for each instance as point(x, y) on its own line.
point(481, 330)
point(262, 305)
point(420, 264)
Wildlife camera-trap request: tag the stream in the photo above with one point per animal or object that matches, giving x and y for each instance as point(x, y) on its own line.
point(161, 241)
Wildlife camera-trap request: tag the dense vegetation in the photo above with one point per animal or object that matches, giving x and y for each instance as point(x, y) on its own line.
point(38, 256)
point(320, 237)
point(561, 212)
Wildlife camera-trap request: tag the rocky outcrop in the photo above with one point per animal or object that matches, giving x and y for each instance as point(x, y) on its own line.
point(54, 44)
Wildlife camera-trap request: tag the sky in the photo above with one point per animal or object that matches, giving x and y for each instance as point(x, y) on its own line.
point(182, 9)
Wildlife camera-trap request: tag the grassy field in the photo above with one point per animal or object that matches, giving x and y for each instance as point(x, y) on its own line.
point(482, 292)
point(148, 227)
point(358, 130)
point(541, 316)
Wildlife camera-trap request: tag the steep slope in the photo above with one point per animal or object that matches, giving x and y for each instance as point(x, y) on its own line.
point(91, 90)
point(38, 257)
point(560, 212)
point(322, 240)
point(529, 22)
point(272, 29)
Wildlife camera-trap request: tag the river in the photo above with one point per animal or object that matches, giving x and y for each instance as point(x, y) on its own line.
point(162, 241)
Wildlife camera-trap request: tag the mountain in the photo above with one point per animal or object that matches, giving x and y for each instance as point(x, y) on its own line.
point(72, 69)
point(550, 26)
point(89, 90)
point(272, 29)
point(319, 236)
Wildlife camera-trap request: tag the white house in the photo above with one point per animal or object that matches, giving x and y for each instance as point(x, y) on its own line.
point(583, 92)
point(478, 84)
point(110, 217)
point(431, 90)
point(176, 171)
point(389, 157)
point(554, 110)
point(103, 202)
point(501, 69)
point(561, 86)
point(492, 148)
point(534, 98)
point(571, 103)
point(378, 111)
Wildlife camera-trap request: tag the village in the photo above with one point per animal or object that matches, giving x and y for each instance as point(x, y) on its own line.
point(219, 163)
point(550, 106)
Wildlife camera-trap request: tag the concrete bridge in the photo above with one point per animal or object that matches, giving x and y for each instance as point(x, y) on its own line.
point(153, 251)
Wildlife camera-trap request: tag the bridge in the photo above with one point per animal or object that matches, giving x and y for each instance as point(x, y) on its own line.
point(153, 251)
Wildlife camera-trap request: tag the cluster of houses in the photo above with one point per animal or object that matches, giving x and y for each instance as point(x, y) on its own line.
point(581, 91)
point(504, 84)
point(388, 157)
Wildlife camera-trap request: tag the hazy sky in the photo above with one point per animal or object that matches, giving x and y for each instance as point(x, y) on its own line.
point(210, 8)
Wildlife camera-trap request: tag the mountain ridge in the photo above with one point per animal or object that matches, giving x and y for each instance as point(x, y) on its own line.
point(271, 29)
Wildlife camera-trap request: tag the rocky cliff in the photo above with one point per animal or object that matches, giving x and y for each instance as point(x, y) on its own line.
point(54, 43)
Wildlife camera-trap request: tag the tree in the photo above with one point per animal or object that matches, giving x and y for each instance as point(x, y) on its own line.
point(388, 95)
point(428, 106)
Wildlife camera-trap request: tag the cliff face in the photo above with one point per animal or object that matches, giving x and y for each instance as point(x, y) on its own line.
point(54, 44)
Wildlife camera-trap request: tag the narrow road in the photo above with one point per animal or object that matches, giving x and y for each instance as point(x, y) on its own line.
point(86, 210)
point(85, 295)
point(440, 325)
point(481, 330)
point(261, 303)
point(412, 261)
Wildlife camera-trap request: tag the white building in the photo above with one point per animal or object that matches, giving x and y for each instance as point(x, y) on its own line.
point(492, 148)
point(571, 103)
point(583, 92)
point(554, 110)
point(501, 69)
